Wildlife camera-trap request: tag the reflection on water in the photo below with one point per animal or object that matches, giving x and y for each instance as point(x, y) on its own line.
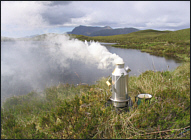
point(24, 70)
point(140, 61)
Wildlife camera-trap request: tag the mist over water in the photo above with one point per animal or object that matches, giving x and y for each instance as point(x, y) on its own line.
point(30, 65)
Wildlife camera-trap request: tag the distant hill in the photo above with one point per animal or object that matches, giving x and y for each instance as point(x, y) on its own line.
point(142, 36)
point(100, 31)
point(7, 38)
point(87, 30)
point(114, 32)
point(31, 36)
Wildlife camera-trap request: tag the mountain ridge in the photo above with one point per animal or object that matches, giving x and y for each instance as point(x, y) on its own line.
point(100, 31)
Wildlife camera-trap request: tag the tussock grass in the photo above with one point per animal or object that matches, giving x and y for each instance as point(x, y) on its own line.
point(68, 111)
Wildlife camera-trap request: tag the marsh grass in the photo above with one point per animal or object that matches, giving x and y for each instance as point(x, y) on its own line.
point(68, 111)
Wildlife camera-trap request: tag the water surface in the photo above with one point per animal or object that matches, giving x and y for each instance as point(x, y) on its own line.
point(26, 68)
point(141, 61)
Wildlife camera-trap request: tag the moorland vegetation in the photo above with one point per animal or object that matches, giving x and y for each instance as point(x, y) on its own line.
point(69, 111)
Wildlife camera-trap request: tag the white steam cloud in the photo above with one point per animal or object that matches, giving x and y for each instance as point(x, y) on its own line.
point(34, 65)
point(93, 53)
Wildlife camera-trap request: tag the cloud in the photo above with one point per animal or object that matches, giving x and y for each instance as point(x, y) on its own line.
point(30, 16)
point(61, 14)
point(21, 16)
point(53, 3)
point(138, 14)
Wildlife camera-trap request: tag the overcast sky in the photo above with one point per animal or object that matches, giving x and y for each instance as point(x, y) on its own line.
point(25, 18)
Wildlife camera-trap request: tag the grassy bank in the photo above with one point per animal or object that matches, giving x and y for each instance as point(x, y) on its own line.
point(68, 111)
point(162, 43)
